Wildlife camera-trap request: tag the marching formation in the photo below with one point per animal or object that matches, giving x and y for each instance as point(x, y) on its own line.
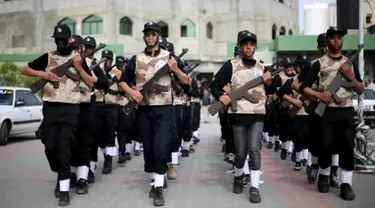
point(151, 104)
point(304, 111)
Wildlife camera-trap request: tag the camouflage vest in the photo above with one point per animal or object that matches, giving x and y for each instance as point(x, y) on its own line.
point(68, 91)
point(108, 97)
point(99, 94)
point(145, 68)
point(179, 99)
point(328, 71)
point(242, 74)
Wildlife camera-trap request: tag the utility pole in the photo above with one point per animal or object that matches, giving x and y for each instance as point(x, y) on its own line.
point(361, 60)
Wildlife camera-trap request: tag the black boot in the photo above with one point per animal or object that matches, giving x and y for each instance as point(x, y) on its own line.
point(304, 163)
point(270, 145)
point(237, 184)
point(57, 190)
point(107, 166)
point(127, 156)
point(73, 180)
point(158, 197)
point(283, 154)
point(323, 183)
point(82, 187)
point(312, 174)
point(64, 199)
point(151, 194)
point(346, 192)
point(196, 140)
point(277, 146)
point(185, 153)
point(298, 166)
point(91, 177)
point(255, 196)
point(121, 159)
point(333, 179)
point(137, 152)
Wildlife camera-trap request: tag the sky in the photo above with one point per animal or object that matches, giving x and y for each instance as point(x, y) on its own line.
point(301, 10)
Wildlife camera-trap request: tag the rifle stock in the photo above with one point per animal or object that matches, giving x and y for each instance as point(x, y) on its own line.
point(148, 86)
point(335, 85)
point(62, 70)
point(241, 92)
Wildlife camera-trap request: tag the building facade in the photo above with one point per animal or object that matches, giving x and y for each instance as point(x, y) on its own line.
point(203, 26)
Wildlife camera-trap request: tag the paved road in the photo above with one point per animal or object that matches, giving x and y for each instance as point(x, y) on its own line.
point(26, 182)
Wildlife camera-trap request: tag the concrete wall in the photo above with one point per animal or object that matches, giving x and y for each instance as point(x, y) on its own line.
point(35, 19)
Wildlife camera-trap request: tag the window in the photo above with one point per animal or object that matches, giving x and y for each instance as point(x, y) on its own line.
point(20, 96)
point(126, 26)
point(92, 25)
point(282, 30)
point(209, 29)
point(187, 29)
point(6, 97)
point(368, 18)
point(31, 99)
point(71, 23)
point(274, 32)
point(163, 29)
point(290, 32)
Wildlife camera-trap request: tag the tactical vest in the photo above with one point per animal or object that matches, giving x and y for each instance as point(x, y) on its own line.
point(241, 75)
point(99, 94)
point(145, 68)
point(111, 97)
point(179, 99)
point(328, 71)
point(68, 90)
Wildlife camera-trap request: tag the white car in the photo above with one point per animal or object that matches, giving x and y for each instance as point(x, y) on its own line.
point(368, 105)
point(20, 112)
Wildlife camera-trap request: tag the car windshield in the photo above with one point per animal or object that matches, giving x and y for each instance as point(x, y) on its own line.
point(367, 95)
point(6, 97)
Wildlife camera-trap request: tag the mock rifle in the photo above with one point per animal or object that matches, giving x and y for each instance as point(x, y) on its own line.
point(63, 69)
point(336, 83)
point(151, 85)
point(189, 68)
point(241, 92)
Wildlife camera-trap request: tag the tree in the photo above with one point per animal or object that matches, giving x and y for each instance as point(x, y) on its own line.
point(10, 75)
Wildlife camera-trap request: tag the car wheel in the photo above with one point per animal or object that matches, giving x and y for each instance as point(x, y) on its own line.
point(4, 133)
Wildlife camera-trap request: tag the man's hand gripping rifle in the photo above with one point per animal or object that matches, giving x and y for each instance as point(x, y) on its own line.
point(63, 69)
point(152, 86)
point(336, 84)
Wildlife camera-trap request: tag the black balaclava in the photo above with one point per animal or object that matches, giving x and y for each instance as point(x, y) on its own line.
point(65, 49)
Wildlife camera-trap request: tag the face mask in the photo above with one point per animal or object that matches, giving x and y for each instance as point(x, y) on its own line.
point(63, 48)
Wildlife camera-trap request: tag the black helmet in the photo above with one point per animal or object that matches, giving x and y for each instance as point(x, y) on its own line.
point(107, 54)
point(89, 41)
point(287, 62)
point(120, 60)
point(77, 41)
point(301, 59)
point(333, 30)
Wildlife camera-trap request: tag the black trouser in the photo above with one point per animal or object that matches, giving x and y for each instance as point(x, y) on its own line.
point(196, 116)
point(176, 129)
point(271, 123)
point(154, 128)
point(337, 128)
point(226, 132)
point(110, 123)
point(97, 119)
point(126, 129)
point(247, 140)
point(84, 141)
point(300, 133)
point(187, 123)
point(59, 131)
point(315, 135)
point(286, 125)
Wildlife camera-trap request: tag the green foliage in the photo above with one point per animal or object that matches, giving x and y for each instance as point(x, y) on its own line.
point(10, 75)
